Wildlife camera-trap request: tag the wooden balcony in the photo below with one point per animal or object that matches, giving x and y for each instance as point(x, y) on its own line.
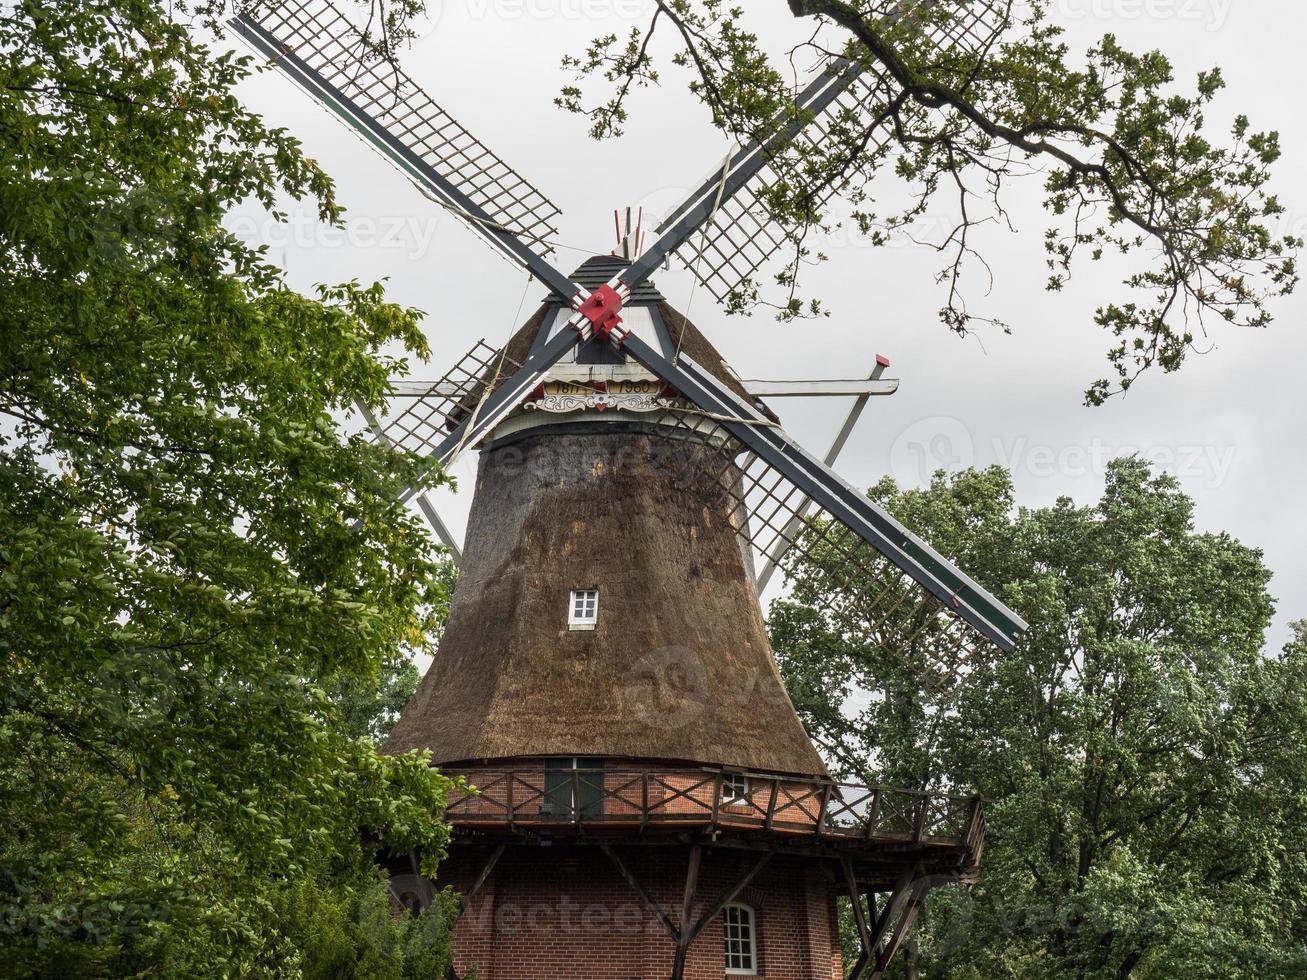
point(609, 802)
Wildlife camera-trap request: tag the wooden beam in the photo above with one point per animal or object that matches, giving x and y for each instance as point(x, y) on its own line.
point(466, 900)
point(919, 826)
point(873, 812)
point(937, 860)
point(687, 906)
point(407, 388)
point(662, 917)
point(691, 885)
point(861, 388)
point(824, 812)
point(859, 919)
point(728, 898)
point(901, 928)
point(855, 896)
point(892, 905)
point(864, 388)
point(771, 804)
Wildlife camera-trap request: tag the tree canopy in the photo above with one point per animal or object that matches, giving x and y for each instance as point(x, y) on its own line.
point(196, 566)
point(1129, 163)
point(1142, 756)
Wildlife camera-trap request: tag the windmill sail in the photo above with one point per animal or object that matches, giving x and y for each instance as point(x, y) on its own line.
point(437, 408)
point(743, 235)
point(878, 581)
point(326, 54)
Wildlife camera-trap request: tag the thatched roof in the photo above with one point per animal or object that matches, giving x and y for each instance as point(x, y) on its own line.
point(678, 667)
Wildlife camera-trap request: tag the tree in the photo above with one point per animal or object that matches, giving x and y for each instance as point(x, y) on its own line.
point(192, 557)
point(1126, 158)
point(1143, 758)
point(368, 707)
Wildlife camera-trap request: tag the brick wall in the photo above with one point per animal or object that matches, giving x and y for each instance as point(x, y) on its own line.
point(548, 913)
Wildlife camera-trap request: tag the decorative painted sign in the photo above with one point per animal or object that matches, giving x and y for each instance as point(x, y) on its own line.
point(628, 395)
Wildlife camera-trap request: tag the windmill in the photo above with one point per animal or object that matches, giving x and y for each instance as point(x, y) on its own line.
point(605, 680)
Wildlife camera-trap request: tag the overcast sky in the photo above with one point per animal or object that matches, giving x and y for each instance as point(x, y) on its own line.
point(1229, 425)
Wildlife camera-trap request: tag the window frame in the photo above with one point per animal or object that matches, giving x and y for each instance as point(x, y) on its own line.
point(576, 605)
point(751, 921)
point(735, 789)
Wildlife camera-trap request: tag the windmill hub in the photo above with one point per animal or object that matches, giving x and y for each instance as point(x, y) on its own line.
point(603, 310)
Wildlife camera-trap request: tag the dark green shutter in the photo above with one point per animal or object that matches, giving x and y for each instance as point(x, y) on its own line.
point(560, 775)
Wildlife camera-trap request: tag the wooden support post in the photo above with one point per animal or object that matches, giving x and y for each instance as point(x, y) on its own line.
point(508, 800)
point(893, 923)
point(859, 919)
point(728, 898)
point(825, 808)
point(919, 828)
point(644, 801)
point(873, 813)
point(691, 884)
point(885, 918)
point(771, 803)
point(466, 901)
point(901, 929)
point(855, 896)
point(975, 833)
point(687, 907)
point(663, 919)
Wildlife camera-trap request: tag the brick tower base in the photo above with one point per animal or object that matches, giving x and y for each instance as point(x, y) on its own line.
point(567, 912)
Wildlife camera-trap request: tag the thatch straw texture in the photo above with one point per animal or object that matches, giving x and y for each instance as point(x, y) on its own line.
point(678, 666)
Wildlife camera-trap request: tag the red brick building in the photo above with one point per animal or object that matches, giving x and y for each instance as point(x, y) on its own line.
point(648, 804)
point(568, 912)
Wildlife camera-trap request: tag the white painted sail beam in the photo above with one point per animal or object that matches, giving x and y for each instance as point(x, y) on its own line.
point(864, 388)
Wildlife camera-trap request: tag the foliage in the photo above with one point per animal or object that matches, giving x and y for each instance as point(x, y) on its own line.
point(1128, 161)
point(193, 561)
point(1143, 758)
point(353, 932)
point(369, 706)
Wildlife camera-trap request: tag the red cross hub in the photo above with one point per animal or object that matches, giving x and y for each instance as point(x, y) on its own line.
point(602, 309)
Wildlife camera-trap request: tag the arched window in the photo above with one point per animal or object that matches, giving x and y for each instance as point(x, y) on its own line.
point(741, 932)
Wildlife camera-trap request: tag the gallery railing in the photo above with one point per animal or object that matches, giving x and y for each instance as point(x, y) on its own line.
point(529, 799)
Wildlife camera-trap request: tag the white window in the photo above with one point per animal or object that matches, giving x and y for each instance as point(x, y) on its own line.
point(735, 788)
point(583, 610)
point(741, 940)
